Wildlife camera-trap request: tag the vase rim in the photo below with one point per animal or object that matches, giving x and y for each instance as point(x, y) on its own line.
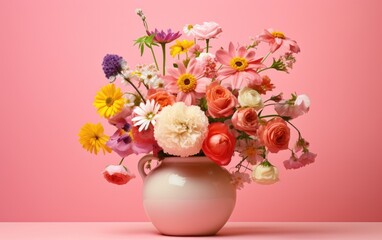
point(196, 159)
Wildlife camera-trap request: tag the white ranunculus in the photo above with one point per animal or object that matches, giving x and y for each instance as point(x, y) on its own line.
point(265, 174)
point(249, 97)
point(180, 129)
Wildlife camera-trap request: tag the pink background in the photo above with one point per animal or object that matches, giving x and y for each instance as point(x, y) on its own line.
point(50, 59)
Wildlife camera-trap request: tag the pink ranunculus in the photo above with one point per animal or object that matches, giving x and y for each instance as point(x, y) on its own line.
point(123, 143)
point(294, 107)
point(188, 83)
point(220, 101)
point(119, 120)
point(245, 119)
point(207, 30)
point(239, 66)
point(305, 159)
point(117, 174)
point(275, 135)
point(219, 144)
point(277, 39)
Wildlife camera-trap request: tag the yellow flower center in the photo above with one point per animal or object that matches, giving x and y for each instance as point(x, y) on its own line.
point(109, 101)
point(239, 63)
point(278, 34)
point(189, 27)
point(186, 83)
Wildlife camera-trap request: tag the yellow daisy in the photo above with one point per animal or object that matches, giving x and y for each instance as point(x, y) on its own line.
point(180, 47)
point(109, 101)
point(93, 139)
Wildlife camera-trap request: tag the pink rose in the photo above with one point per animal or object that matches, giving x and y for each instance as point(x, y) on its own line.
point(245, 119)
point(219, 144)
point(119, 120)
point(275, 135)
point(117, 174)
point(207, 30)
point(220, 101)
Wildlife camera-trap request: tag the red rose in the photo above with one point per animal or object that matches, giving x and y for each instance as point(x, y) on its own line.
point(219, 144)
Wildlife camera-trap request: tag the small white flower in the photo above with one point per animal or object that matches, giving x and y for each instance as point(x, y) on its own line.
point(127, 74)
point(130, 99)
point(188, 29)
point(148, 76)
point(157, 83)
point(146, 114)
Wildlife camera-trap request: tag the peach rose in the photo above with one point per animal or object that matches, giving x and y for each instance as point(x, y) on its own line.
point(219, 144)
point(275, 135)
point(162, 97)
point(220, 101)
point(245, 119)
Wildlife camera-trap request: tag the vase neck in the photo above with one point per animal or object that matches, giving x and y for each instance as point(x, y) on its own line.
point(187, 160)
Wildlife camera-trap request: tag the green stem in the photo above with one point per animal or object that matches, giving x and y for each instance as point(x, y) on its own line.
point(136, 89)
point(164, 57)
point(121, 161)
point(266, 56)
point(270, 104)
point(299, 133)
point(263, 69)
point(207, 44)
point(272, 115)
point(155, 59)
point(238, 166)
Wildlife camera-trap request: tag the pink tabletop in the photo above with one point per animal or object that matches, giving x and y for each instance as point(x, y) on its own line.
point(233, 230)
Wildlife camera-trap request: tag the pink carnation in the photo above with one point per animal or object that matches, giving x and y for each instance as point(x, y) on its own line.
point(117, 174)
point(305, 159)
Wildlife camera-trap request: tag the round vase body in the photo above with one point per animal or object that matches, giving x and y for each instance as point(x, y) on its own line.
point(188, 196)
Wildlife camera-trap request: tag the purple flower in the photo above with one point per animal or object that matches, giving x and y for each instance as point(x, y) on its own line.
point(163, 37)
point(112, 65)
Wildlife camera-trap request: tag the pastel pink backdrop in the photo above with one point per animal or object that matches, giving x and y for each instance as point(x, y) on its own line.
point(50, 59)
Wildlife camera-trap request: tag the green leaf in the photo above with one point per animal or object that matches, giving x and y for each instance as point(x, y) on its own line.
point(142, 49)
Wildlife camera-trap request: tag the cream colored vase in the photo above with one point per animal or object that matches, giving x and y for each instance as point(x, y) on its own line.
point(187, 196)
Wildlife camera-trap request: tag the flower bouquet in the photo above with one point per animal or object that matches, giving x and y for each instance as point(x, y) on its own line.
point(202, 103)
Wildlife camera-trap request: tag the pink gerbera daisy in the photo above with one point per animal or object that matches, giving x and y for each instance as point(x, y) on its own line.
point(277, 39)
point(238, 66)
point(188, 83)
